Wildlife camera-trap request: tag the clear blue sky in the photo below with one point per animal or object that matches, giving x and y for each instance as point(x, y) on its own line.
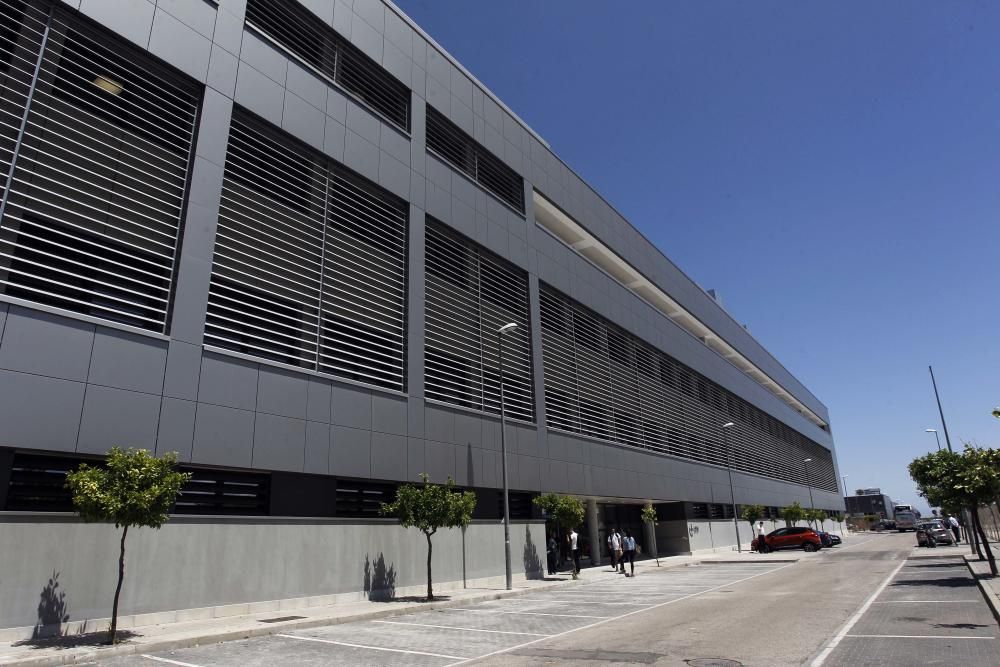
point(832, 169)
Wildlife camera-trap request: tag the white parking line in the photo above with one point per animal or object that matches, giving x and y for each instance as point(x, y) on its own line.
point(169, 662)
point(628, 604)
point(924, 601)
point(852, 621)
point(458, 627)
point(918, 637)
point(527, 613)
point(614, 618)
point(372, 648)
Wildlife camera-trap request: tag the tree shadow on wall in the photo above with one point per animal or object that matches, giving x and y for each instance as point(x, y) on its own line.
point(380, 579)
point(532, 563)
point(52, 613)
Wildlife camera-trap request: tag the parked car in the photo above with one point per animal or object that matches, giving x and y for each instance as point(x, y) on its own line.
point(933, 533)
point(828, 539)
point(792, 538)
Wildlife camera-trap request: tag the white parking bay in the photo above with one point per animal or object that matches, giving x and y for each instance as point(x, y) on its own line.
point(459, 634)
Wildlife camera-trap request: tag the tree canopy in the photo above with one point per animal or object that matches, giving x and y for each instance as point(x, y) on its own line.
point(567, 511)
point(793, 513)
point(953, 480)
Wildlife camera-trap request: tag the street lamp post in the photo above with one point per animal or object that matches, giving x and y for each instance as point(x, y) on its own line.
point(843, 478)
point(503, 454)
point(732, 491)
point(812, 505)
point(936, 437)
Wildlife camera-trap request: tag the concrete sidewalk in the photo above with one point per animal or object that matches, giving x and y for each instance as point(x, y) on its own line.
point(151, 638)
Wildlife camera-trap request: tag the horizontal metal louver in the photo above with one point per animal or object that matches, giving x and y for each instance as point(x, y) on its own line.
point(100, 136)
point(470, 294)
point(465, 154)
point(603, 382)
point(310, 261)
point(304, 35)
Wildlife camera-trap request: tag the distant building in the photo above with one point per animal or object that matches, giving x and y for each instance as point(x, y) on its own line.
point(870, 501)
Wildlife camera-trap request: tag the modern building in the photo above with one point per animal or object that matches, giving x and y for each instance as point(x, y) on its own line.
point(280, 239)
point(867, 502)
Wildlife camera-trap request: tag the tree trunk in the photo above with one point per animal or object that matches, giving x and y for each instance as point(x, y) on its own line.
point(430, 547)
point(972, 534)
point(118, 590)
point(986, 544)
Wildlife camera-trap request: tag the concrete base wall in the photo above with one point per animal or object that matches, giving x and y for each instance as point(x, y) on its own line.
point(696, 537)
point(58, 571)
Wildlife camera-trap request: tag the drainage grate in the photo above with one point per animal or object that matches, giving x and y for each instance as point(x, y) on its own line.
point(713, 662)
point(280, 619)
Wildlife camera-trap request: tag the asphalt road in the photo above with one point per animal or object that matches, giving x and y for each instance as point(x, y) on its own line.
point(752, 613)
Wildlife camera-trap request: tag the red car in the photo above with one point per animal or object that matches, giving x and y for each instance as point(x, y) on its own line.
point(792, 538)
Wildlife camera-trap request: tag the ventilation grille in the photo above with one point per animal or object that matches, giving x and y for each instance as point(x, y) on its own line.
point(357, 498)
point(463, 153)
point(223, 492)
point(310, 262)
point(91, 217)
point(470, 294)
point(307, 37)
point(603, 382)
point(38, 484)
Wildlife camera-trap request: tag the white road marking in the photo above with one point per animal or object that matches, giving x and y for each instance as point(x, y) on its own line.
point(169, 662)
point(458, 627)
point(628, 604)
point(924, 601)
point(527, 613)
point(371, 648)
point(852, 621)
point(614, 618)
point(918, 637)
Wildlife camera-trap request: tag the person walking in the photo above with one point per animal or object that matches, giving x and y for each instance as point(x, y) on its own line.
point(571, 541)
point(551, 551)
point(621, 551)
point(953, 522)
point(761, 538)
point(614, 548)
point(629, 546)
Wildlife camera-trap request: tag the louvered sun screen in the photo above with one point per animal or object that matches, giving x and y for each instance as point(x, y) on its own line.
point(92, 209)
point(602, 382)
point(470, 294)
point(310, 261)
point(301, 33)
point(462, 152)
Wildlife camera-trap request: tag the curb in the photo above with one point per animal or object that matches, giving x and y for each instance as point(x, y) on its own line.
point(990, 588)
point(92, 654)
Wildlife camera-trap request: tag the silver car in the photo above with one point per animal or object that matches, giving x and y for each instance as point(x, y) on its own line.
point(935, 530)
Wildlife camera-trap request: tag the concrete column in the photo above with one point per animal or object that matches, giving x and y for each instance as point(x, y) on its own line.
point(593, 534)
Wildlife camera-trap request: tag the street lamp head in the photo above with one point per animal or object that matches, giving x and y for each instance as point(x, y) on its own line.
point(930, 430)
point(996, 412)
point(508, 327)
point(728, 425)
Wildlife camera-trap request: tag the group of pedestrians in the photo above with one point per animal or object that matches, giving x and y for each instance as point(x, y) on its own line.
point(572, 550)
point(622, 549)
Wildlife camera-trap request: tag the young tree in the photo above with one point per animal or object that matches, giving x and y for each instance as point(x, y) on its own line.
point(948, 479)
point(134, 488)
point(839, 518)
point(649, 518)
point(428, 508)
point(567, 511)
point(752, 514)
point(815, 517)
point(793, 513)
